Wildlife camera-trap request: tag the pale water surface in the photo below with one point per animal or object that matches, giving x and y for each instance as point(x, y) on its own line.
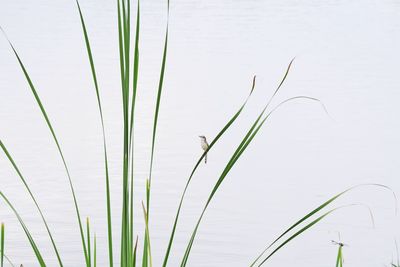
point(347, 54)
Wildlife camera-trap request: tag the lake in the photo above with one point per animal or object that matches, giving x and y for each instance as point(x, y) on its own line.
point(347, 55)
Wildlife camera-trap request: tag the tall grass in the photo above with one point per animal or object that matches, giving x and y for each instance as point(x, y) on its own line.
point(129, 76)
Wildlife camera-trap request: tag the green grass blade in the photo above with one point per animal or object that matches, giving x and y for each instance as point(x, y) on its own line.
point(132, 120)
point(94, 76)
point(88, 242)
point(6, 257)
point(316, 210)
point(147, 255)
point(122, 30)
point(50, 127)
point(10, 158)
point(236, 155)
point(159, 93)
point(213, 142)
point(339, 257)
point(302, 230)
point(95, 252)
point(155, 123)
point(2, 244)
point(134, 253)
point(27, 233)
point(309, 225)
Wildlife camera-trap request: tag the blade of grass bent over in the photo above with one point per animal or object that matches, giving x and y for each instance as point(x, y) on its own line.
point(50, 127)
point(6, 152)
point(303, 229)
point(298, 233)
point(27, 233)
point(108, 197)
point(239, 150)
point(219, 135)
point(316, 210)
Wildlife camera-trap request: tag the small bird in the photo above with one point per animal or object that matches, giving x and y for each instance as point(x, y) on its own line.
point(204, 146)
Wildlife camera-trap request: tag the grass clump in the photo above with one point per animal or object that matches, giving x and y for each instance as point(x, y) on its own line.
point(129, 60)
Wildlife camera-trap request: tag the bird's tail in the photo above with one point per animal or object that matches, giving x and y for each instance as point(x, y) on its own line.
point(205, 159)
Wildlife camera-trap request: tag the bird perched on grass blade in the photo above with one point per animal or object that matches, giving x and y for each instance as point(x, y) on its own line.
point(204, 146)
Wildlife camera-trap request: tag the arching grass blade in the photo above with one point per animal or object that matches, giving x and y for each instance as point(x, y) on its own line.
point(50, 127)
point(239, 150)
point(27, 233)
point(6, 152)
point(316, 210)
point(213, 142)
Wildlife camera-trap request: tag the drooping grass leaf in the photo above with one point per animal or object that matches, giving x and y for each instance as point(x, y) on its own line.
point(315, 211)
point(53, 134)
point(27, 233)
point(236, 155)
point(302, 230)
point(6, 152)
point(213, 142)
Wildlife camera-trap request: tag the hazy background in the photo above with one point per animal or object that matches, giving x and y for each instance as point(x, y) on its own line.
point(347, 54)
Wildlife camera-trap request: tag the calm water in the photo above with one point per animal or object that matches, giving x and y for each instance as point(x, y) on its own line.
point(347, 55)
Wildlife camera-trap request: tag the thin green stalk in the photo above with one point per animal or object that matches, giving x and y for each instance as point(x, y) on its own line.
point(213, 142)
point(95, 251)
point(2, 237)
point(121, 35)
point(8, 259)
point(94, 76)
point(134, 253)
point(131, 139)
point(27, 233)
point(11, 160)
point(50, 127)
point(148, 248)
point(339, 258)
point(88, 241)
point(2, 245)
